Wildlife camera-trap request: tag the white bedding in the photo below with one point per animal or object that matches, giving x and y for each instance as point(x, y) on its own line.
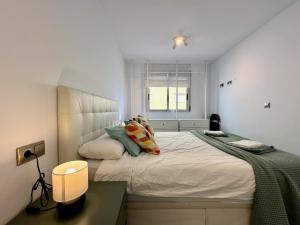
point(186, 167)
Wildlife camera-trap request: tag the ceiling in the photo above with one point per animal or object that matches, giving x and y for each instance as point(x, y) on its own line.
point(144, 28)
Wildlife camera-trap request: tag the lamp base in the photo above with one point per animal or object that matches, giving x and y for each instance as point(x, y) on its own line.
point(66, 210)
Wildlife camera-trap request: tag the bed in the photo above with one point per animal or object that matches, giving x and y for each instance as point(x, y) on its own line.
point(187, 168)
point(197, 183)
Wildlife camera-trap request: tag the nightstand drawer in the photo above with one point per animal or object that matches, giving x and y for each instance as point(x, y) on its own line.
point(164, 125)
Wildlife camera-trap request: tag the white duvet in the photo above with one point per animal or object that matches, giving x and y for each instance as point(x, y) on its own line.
point(186, 167)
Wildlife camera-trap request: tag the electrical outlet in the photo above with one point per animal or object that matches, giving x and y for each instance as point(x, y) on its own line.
point(38, 148)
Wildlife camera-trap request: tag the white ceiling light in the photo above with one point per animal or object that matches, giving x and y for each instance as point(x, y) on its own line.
point(180, 40)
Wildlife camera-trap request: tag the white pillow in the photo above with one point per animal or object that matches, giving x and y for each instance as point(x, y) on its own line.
point(249, 144)
point(214, 133)
point(104, 136)
point(103, 147)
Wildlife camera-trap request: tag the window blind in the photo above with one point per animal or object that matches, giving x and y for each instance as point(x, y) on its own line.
point(164, 75)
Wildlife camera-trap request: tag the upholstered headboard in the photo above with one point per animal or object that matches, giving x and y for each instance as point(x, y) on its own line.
point(81, 117)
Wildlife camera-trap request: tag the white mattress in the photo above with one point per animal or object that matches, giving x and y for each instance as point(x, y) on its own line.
point(186, 167)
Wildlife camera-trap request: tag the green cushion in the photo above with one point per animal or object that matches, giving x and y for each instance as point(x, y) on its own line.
point(119, 134)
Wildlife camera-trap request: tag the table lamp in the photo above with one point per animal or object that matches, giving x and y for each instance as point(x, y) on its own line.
point(69, 184)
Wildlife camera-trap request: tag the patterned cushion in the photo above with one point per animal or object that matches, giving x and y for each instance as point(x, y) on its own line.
point(142, 137)
point(144, 121)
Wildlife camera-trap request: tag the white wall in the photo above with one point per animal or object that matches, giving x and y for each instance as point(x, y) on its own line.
point(43, 42)
point(212, 90)
point(264, 67)
point(136, 95)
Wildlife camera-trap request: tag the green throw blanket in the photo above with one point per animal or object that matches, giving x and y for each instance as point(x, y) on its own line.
point(277, 175)
point(227, 138)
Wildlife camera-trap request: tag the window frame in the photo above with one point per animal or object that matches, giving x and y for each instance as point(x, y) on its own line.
point(188, 105)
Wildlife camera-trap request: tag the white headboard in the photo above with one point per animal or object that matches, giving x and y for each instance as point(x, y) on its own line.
point(81, 117)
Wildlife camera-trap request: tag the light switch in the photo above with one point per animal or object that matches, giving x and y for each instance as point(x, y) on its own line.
point(267, 105)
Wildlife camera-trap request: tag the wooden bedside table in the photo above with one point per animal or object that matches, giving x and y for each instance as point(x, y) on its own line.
point(105, 205)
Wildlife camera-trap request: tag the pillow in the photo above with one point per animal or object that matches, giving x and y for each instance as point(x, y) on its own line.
point(247, 144)
point(215, 133)
point(142, 137)
point(102, 148)
point(104, 136)
point(119, 133)
point(144, 122)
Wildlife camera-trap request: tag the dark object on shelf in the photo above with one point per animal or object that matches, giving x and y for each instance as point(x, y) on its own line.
point(215, 122)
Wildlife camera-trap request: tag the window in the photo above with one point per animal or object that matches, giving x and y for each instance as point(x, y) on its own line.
point(158, 98)
point(182, 98)
point(164, 99)
point(167, 90)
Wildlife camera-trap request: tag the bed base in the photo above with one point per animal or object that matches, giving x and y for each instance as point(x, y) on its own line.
point(188, 213)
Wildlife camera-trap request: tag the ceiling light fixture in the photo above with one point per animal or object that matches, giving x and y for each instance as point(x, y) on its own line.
point(180, 40)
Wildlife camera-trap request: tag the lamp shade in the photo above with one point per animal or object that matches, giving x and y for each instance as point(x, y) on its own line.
point(69, 181)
